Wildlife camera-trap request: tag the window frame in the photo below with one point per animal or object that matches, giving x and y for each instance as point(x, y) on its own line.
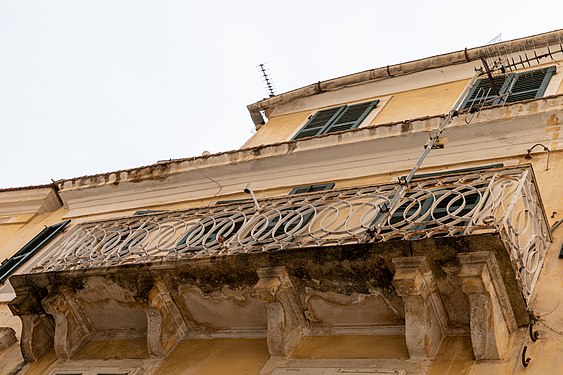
point(311, 188)
point(281, 229)
point(429, 202)
point(333, 121)
point(505, 89)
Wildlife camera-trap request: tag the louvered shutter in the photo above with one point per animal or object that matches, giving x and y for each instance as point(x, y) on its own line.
point(351, 117)
point(311, 188)
point(10, 265)
point(530, 85)
point(483, 94)
point(318, 122)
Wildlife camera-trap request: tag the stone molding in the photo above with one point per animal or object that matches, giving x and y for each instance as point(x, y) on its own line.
point(286, 322)
point(492, 322)
point(7, 337)
point(72, 326)
point(37, 327)
point(37, 336)
point(28, 201)
point(425, 317)
point(165, 325)
point(142, 187)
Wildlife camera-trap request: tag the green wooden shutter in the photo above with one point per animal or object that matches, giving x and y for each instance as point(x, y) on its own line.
point(530, 85)
point(519, 86)
point(482, 92)
point(351, 117)
point(10, 265)
point(336, 119)
point(318, 122)
point(456, 171)
point(230, 201)
point(311, 188)
point(148, 212)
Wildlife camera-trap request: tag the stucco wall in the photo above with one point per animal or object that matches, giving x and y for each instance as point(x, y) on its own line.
point(428, 101)
point(278, 129)
point(13, 237)
point(216, 356)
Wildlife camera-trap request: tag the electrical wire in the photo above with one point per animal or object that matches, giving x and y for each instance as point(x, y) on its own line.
point(209, 178)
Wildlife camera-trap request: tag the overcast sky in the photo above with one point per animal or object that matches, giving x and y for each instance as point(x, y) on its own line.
point(96, 86)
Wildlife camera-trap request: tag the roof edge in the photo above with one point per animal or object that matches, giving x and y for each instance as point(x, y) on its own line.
point(390, 71)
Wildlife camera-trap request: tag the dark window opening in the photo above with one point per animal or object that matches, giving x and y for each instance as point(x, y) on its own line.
point(311, 188)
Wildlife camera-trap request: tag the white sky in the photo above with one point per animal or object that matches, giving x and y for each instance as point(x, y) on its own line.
point(95, 86)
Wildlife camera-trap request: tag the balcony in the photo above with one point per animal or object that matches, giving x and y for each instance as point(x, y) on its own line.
point(467, 247)
point(499, 201)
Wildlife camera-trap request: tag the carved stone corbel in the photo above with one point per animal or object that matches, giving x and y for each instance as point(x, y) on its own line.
point(286, 321)
point(37, 336)
point(7, 337)
point(72, 326)
point(37, 327)
point(425, 318)
point(166, 326)
point(492, 321)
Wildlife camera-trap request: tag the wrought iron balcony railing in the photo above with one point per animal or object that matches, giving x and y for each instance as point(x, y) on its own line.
point(504, 201)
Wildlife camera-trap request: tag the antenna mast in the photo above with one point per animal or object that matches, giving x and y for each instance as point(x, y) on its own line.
point(496, 59)
point(269, 84)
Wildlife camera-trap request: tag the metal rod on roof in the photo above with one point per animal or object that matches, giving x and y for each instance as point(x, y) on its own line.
point(269, 84)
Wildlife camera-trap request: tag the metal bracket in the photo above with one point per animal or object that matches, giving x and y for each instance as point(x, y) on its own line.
point(525, 360)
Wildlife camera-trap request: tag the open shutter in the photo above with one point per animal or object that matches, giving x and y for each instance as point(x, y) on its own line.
point(482, 92)
point(311, 188)
point(10, 265)
point(351, 117)
point(230, 201)
point(530, 85)
point(318, 122)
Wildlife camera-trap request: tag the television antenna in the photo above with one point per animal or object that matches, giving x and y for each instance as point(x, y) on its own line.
point(497, 59)
point(267, 80)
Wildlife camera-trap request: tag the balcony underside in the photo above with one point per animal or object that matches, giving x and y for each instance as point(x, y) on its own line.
point(362, 289)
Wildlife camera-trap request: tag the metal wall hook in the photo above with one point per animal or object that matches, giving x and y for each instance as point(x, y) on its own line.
point(525, 361)
point(545, 148)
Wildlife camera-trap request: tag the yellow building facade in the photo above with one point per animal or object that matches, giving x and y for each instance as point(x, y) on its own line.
point(401, 220)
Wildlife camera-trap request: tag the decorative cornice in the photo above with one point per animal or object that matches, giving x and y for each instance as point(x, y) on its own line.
point(31, 200)
point(415, 66)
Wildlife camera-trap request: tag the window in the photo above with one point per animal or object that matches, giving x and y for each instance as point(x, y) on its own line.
point(231, 201)
point(511, 88)
point(148, 212)
point(336, 119)
point(294, 219)
point(457, 171)
point(427, 209)
point(10, 265)
point(418, 207)
point(311, 188)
